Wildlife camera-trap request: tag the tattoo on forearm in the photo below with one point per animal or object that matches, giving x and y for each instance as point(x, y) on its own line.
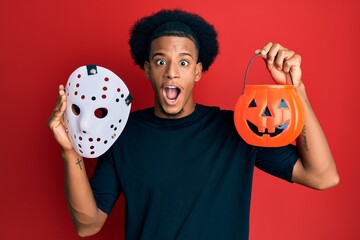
point(304, 140)
point(79, 163)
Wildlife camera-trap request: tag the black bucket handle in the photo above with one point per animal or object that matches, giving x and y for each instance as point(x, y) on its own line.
point(247, 70)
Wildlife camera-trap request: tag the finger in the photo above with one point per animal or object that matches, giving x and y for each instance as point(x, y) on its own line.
point(56, 117)
point(264, 50)
point(61, 92)
point(281, 58)
point(60, 109)
point(272, 53)
point(292, 63)
point(60, 106)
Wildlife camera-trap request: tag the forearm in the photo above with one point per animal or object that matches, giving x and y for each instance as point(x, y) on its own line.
point(316, 167)
point(87, 218)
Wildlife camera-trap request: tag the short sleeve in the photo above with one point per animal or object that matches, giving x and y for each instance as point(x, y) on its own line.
point(104, 183)
point(277, 161)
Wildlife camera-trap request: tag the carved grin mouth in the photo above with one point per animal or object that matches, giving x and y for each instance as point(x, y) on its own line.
point(279, 129)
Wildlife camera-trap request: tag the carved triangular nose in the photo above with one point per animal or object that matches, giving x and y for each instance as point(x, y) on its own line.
point(266, 112)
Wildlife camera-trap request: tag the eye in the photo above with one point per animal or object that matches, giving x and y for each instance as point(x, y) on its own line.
point(283, 104)
point(160, 62)
point(252, 104)
point(100, 112)
point(75, 109)
point(183, 63)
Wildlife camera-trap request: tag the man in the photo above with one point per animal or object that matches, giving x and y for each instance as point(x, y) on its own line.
point(184, 170)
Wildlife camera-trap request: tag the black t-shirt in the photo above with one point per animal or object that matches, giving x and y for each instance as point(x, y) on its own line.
point(187, 178)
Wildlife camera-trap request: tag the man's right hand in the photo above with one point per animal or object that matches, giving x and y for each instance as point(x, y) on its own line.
point(56, 121)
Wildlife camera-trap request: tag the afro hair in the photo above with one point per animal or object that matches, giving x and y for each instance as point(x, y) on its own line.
point(174, 23)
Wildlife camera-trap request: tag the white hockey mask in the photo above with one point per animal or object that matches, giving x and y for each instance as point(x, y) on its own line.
point(98, 107)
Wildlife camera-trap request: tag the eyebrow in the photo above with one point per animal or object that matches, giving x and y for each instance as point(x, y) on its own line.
point(163, 54)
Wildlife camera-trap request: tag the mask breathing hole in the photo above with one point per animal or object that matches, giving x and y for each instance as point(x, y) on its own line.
point(101, 112)
point(75, 109)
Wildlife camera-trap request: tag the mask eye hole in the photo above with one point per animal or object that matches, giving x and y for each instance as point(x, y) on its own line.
point(101, 112)
point(283, 104)
point(252, 104)
point(75, 109)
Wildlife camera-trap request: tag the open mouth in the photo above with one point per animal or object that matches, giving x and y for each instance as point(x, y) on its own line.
point(279, 129)
point(172, 93)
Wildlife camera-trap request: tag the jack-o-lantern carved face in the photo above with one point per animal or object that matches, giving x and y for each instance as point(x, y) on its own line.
point(269, 115)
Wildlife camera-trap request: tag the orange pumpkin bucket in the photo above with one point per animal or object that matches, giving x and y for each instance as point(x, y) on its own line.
point(268, 115)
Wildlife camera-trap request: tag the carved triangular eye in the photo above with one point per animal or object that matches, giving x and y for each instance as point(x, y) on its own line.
point(283, 104)
point(252, 104)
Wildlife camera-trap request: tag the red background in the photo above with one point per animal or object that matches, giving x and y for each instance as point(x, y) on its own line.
point(42, 42)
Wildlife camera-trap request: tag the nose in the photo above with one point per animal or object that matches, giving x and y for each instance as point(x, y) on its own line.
point(172, 71)
point(266, 112)
point(84, 123)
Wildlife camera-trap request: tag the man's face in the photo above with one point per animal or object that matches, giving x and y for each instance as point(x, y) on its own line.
point(172, 70)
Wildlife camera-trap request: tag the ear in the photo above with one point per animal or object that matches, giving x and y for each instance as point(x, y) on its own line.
point(147, 69)
point(198, 71)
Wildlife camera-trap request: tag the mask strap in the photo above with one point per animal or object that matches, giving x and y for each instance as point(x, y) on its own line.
point(91, 69)
point(129, 99)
